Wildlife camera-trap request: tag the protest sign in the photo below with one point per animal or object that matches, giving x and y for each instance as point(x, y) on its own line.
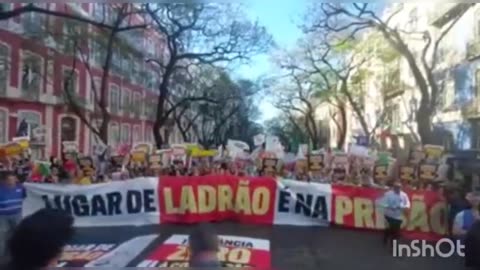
point(87, 166)
point(408, 173)
point(234, 251)
point(315, 162)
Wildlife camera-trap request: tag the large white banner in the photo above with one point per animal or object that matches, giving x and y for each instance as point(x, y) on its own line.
point(302, 203)
point(132, 202)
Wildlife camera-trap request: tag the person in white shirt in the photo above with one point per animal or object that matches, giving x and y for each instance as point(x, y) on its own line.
point(395, 202)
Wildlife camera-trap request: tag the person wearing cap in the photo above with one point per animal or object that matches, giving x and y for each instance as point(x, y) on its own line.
point(395, 202)
point(465, 219)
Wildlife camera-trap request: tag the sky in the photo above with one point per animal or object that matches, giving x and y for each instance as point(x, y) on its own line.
point(281, 18)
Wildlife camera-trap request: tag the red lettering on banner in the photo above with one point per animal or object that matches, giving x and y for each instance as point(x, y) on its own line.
point(216, 198)
point(359, 208)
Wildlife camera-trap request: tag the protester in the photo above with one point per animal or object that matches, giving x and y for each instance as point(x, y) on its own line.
point(472, 247)
point(395, 201)
point(203, 245)
point(465, 219)
point(12, 194)
point(37, 242)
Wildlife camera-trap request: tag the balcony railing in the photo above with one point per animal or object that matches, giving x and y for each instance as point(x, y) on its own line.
point(446, 12)
point(472, 109)
point(473, 49)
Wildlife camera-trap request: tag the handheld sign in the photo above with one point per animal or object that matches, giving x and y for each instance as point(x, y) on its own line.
point(316, 162)
point(270, 165)
point(427, 172)
point(137, 157)
point(155, 161)
point(380, 172)
point(407, 173)
point(86, 165)
point(433, 152)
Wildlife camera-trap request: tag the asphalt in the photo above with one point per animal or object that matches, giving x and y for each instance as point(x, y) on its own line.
point(292, 247)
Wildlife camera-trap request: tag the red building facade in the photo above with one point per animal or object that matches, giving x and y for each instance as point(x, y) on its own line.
point(35, 72)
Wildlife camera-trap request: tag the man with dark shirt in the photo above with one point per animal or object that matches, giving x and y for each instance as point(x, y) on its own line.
point(472, 247)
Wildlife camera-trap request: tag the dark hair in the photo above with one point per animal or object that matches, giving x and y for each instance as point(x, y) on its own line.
point(202, 239)
point(39, 238)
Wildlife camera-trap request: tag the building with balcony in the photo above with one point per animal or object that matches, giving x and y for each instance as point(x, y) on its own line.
point(456, 74)
point(37, 71)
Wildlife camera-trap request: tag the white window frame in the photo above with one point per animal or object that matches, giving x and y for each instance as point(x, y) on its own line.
point(114, 88)
point(28, 112)
point(7, 123)
point(77, 78)
point(126, 129)
point(7, 65)
point(137, 133)
point(97, 81)
point(23, 57)
point(111, 138)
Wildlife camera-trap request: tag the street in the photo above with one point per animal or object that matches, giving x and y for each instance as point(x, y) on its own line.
point(293, 247)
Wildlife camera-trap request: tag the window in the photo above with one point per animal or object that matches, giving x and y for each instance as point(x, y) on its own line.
point(98, 11)
point(31, 74)
point(126, 99)
point(34, 22)
point(137, 101)
point(477, 82)
point(113, 134)
point(3, 126)
point(114, 99)
point(70, 82)
point(148, 134)
point(95, 89)
point(33, 119)
point(126, 133)
point(137, 134)
point(96, 50)
point(4, 68)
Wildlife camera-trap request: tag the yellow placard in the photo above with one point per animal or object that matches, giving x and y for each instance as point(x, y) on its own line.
point(316, 162)
point(138, 156)
point(407, 173)
point(196, 152)
point(86, 165)
point(433, 152)
point(427, 172)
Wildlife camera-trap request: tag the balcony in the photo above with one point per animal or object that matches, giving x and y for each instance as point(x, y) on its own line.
point(472, 109)
point(473, 49)
point(446, 12)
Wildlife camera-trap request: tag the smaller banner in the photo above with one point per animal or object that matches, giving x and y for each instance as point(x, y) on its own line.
point(361, 208)
point(234, 251)
point(100, 254)
point(303, 204)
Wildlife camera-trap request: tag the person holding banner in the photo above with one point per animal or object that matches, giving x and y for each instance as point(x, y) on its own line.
point(395, 202)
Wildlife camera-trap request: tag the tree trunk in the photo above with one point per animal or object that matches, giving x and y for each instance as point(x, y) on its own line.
point(342, 135)
point(424, 123)
point(156, 135)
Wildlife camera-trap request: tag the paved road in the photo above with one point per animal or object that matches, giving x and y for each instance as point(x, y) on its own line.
point(296, 247)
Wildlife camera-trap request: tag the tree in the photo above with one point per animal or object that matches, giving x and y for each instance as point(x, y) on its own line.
point(347, 20)
point(205, 34)
point(297, 99)
point(107, 42)
point(287, 131)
